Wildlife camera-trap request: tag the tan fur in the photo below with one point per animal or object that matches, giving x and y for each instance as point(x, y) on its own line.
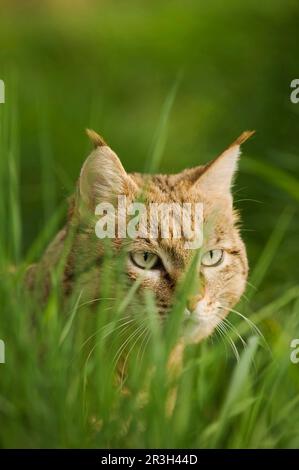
point(103, 178)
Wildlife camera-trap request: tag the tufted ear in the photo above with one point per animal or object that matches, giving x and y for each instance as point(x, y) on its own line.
point(217, 177)
point(102, 176)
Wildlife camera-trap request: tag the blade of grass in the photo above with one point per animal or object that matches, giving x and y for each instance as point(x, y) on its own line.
point(162, 130)
point(275, 176)
point(270, 250)
point(13, 178)
point(240, 376)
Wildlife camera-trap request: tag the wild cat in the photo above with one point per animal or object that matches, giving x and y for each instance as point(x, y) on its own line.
point(161, 262)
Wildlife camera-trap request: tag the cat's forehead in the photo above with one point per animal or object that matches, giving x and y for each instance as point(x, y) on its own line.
point(218, 216)
point(166, 188)
point(179, 188)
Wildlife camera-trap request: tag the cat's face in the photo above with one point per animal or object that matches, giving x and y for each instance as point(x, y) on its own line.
point(220, 277)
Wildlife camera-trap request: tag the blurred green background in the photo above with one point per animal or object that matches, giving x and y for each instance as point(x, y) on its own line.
point(110, 65)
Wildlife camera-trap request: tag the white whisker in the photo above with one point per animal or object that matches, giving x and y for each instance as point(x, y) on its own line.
point(231, 342)
point(130, 350)
point(234, 329)
point(103, 328)
point(88, 302)
point(123, 345)
point(250, 323)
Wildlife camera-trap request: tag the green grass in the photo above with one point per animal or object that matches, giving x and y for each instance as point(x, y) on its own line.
point(57, 387)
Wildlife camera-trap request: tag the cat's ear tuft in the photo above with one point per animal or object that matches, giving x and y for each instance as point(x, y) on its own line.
point(103, 178)
point(96, 139)
point(242, 138)
point(217, 177)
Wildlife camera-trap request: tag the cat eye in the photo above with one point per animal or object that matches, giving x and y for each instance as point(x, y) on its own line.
point(145, 259)
point(212, 258)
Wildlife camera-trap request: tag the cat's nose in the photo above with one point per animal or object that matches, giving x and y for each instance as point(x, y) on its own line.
point(193, 301)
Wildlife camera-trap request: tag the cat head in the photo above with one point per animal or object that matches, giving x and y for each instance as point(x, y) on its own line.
point(161, 262)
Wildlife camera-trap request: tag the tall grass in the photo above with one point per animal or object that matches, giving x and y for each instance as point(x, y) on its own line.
point(58, 386)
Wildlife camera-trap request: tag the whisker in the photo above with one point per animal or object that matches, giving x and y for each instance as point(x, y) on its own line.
point(245, 297)
point(96, 344)
point(103, 328)
point(231, 342)
point(245, 345)
point(129, 352)
point(123, 346)
point(118, 327)
point(249, 200)
point(251, 285)
point(250, 323)
point(146, 343)
point(222, 337)
point(234, 329)
point(87, 302)
point(143, 342)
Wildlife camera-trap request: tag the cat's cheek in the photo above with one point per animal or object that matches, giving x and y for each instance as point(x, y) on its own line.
point(152, 275)
point(212, 274)
point(145, 275)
